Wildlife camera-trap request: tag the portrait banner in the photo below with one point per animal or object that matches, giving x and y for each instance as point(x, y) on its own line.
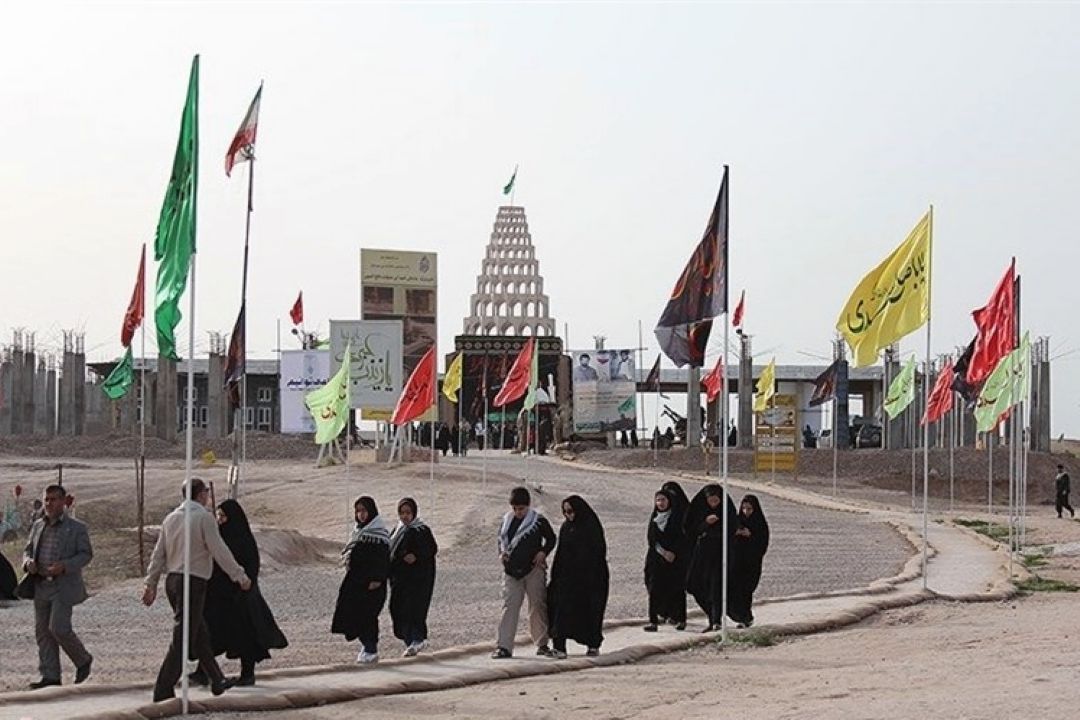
point(605, 391)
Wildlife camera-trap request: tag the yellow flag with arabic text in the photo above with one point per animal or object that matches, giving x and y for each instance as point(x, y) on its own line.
point(766, 387)
point(892, 300)
point(452, 382)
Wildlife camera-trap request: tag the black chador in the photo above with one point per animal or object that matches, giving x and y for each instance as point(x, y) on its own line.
point(666, 558)
point(578, 592)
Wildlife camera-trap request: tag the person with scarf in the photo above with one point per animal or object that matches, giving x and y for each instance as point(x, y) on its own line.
point(412, 577)
point(525, 542)
point(747, 553)
point(363, 591)
point(241, 624)
point(578, 593)
point(704, 527)
point(666, 559)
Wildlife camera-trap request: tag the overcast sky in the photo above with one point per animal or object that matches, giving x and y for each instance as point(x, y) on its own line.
point(396, 126)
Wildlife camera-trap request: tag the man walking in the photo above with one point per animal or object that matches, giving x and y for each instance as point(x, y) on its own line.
point(58, 550)
point(1061, 483)
point(207, 547)
point(525, 541)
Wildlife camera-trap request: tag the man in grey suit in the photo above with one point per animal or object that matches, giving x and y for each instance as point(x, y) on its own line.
point(58, 550)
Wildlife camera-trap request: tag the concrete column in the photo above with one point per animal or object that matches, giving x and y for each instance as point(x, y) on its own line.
point(5, 396)
point(165, 401)
point(745, 418)
point(895, 429)
point(41, 417)
point(16, 397)
point(217, 401)
point(78, 388)
point(29, 364)
point(51, 383)
point(693, 408)
point(65, 404)
point(843, 417)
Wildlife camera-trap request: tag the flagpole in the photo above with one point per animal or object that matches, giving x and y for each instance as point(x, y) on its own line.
point(487, 425)
point(835, 451)
point(188, 443)
point(141, 470)
point(953, 415)
point(989, 473)
point(722, 436)
point(926, 403)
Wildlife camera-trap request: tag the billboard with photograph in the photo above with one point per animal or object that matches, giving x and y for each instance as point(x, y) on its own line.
point(302, 371)
point(376, 372)
point(605, 394)
point(401, 285)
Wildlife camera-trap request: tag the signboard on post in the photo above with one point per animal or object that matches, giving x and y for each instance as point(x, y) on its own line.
point(376, 375)
point(605, 394)
point(776, 435)
point(302, 371)
point(401, 285)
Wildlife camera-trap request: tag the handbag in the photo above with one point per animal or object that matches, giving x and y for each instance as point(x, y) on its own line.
point(25, 588)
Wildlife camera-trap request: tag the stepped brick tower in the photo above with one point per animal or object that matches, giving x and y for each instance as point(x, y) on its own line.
point(509, 297)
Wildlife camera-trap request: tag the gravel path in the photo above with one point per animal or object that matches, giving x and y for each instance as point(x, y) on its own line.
point(811, 550)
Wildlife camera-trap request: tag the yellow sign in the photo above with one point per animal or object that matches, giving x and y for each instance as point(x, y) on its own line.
point(776, 436)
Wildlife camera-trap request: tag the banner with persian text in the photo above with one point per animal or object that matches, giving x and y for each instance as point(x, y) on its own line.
point(376, 374)
point(302, 371)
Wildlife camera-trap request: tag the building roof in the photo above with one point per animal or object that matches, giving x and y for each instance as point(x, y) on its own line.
point(202, 366)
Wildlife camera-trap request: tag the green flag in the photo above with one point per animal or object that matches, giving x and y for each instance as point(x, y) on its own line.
point(534, 374)
point(175, 241)
point(121, 378)
point(329, 405)
point(509, 187)
point(1007, 385)
point(901, 390)
point(627, 405)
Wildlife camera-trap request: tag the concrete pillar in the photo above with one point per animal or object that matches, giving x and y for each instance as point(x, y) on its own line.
point(693, 408)
point(29, 365)
point(843, 417)
point(65, 406)
point(1040, 390)
point(78, 387)
point(51, 386)
point(5, 395)
point(165, 403)
point(217, 400)
point(42, 426)
point(16, 398)
point(745, 417)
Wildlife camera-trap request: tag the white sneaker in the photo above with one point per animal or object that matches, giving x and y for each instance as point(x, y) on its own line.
point(367, 658)
point(410, 651)
point(420, 646)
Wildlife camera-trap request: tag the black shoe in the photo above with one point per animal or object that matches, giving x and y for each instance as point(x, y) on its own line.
point(43, 683)
point(81, 673)
point(198, 678)
point(592, 652)
point(501, 654)
point(162, 697)
point(681, 626)
point(651, 627)
point(219, 687)
point(245, 681)
point(544, 651)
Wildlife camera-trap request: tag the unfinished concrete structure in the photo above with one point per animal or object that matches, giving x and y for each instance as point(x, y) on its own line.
point(509, 297)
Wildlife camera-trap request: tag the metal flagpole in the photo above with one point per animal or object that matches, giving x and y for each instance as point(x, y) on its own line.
point(912, 433)
point(487, 426)
point(722, 435)
point(953, 415)
point(189, 444)
point(835, 449)
point(990, 472)
point(141, 469)
point(639, 412)
point(926, 403)
point(250, 152)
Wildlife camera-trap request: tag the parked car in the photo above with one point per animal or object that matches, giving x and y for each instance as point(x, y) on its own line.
point(866, 436)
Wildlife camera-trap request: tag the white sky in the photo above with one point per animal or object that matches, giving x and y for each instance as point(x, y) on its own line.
point(397, 125)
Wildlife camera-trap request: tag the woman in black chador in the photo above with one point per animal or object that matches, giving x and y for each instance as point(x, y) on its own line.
point(8, 582)
point(747, 552)
point(240, 623)
point(363, 591)
point(412, 577)
point(705, 530)
point(578, 592)
point(666, 559)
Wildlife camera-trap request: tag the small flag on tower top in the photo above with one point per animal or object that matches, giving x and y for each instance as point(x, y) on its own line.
point(297, 312)
point(509, 187)
point(242, 147)
point(736, 319)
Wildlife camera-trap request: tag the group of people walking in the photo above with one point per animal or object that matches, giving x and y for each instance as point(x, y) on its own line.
point(685, 555)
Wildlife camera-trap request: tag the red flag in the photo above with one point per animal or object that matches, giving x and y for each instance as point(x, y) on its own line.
point(297, 312)
point(713, 382)
point(736, 320)
point(419, 392)
point(242, 148)
point(997, 329)
point(134, 316)
point(941, 397)
point(517, 381)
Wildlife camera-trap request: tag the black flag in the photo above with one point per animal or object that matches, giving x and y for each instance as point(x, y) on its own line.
point(960, 384)
point(234, 364)
point(825, 385)
point(700, 294)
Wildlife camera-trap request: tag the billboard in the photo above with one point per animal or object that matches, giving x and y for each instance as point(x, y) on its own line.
point(302, 371)
point(605, 394)
point(776, 435)
point(401, 285)
point(375, 375)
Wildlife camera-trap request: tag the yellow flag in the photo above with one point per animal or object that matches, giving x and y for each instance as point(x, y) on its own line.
point(892, 300)
point(766, 387)
point(452, 382)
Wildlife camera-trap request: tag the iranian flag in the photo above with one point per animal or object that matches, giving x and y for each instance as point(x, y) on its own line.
point(242, 147)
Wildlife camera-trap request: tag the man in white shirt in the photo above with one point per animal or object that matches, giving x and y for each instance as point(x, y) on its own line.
point(207, 547)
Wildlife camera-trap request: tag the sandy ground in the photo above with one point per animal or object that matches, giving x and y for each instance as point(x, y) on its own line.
point(940, 660)
point(304, 516)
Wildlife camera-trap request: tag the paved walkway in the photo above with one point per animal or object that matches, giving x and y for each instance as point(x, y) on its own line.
point(963, 566)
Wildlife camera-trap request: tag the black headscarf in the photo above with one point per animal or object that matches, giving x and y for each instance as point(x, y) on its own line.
point(756, 524)
point(236, 532)
point(699, 508)
point(677, 496)
point(586, 525)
